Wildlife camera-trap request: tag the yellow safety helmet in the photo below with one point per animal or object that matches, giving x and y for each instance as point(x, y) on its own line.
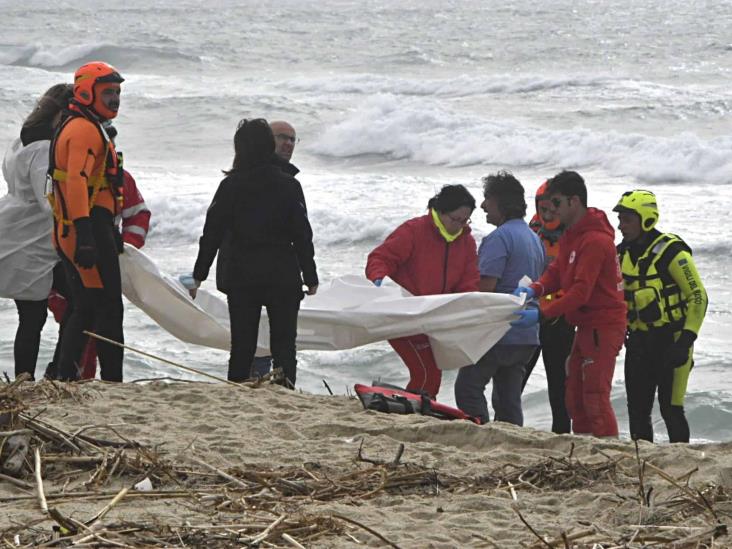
point(642, 203)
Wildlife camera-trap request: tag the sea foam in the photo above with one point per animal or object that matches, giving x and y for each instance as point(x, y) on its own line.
point(427, 132)
point(50, 57)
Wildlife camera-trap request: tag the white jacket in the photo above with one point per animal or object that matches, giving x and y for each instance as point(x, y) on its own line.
point(27, 255)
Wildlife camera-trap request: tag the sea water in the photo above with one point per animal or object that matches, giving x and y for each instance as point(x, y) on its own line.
point(393, 99)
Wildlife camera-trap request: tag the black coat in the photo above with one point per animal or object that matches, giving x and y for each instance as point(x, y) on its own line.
point(259, 217)
point(225, 248)
point(286, 166)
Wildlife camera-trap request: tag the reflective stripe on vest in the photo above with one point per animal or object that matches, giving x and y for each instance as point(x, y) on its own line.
point(95, 184)
point(653, 298)
point(112, 167)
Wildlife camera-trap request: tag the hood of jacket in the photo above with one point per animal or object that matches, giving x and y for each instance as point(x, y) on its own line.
point(594, 221)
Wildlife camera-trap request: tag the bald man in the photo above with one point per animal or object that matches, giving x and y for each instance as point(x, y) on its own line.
point(285, 141)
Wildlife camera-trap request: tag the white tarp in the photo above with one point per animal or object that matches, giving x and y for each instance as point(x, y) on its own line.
point(346, 312)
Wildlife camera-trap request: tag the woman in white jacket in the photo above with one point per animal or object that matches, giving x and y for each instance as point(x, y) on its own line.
point(27, 255)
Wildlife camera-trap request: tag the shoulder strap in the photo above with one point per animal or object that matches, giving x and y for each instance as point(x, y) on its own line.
point(656, 247)
point(68, 116)
point(669, 253)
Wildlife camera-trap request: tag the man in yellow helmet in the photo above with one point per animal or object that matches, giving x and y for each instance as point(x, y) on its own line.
point(666, 307)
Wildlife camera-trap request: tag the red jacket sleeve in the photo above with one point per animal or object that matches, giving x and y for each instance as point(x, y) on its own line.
point(135, 215)
point(590, 258)
point(385, 259)
point(548, 282)
point(471, 275)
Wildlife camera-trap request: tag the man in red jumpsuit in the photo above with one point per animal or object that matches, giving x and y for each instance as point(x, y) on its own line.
point(588, 274)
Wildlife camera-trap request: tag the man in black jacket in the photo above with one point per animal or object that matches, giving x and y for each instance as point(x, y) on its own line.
point(271, 252)
point(285, 141)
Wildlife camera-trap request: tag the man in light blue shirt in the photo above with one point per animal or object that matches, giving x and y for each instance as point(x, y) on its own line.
point(505, 256)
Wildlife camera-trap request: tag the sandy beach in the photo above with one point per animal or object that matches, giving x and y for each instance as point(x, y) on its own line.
point(227, 463)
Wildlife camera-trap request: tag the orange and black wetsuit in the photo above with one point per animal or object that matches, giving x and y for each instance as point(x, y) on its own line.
point(84, 168)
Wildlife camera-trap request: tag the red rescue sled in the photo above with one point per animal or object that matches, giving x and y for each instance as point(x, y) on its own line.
point(395, 400)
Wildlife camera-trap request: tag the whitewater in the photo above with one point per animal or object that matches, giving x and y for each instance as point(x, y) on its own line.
point(392, 100)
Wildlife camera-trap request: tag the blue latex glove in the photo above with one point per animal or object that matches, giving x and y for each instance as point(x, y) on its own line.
point(527, 318)
point(530, 293)
point(377, 282)
point(189, 282)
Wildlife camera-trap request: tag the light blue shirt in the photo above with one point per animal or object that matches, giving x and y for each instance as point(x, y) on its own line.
point(509, 253)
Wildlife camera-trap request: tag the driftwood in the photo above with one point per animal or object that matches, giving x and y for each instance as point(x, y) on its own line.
point(264, 505)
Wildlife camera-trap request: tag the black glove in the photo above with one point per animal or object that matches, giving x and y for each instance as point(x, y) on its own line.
point(85, 254)
point(118, 242)
point(678, 353)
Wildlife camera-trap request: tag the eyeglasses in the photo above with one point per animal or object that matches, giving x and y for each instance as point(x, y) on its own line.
point(459, 220)
point(284, 137)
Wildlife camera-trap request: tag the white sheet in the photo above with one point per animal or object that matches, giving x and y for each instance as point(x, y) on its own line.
point(346, 312)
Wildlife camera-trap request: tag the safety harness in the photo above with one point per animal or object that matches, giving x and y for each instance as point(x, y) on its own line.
point(111, 176)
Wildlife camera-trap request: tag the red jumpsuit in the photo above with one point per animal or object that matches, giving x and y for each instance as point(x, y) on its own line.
point(419, 259)
point(588, 274)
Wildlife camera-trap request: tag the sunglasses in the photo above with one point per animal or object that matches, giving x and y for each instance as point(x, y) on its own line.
point(557, 201)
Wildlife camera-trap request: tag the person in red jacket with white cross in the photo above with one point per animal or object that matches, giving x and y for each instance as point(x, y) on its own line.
point(135, 214)
point(588, 273)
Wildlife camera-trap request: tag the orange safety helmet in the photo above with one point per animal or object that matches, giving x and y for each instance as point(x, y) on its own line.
point(541, 192)
point(542, 196)
point(87, 77)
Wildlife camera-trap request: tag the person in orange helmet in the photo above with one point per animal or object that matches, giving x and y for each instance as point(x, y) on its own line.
point(86, 196)
point(135, 222)
point(555, 334)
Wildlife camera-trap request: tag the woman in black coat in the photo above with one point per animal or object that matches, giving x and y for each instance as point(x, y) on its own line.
point(260, 209)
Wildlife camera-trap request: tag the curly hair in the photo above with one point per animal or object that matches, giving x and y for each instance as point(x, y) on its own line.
point(508, 193)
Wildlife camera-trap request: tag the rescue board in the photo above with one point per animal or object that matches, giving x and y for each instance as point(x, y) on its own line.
point(395, 400)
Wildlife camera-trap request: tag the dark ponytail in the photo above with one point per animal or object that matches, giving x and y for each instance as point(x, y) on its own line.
point(54, 101)
point(253, 144)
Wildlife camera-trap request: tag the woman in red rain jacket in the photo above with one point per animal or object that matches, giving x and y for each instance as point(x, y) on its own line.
point(427, 255)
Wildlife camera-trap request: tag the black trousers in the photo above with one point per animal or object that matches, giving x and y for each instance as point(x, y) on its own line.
point(31, 319)
point(98, 310)
point(645, 373)
point(556, 337)
point(245, 309)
